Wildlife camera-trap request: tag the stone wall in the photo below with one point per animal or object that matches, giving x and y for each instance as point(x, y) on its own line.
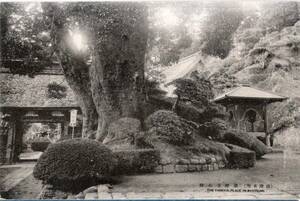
point(192, 165)
point(141, 161)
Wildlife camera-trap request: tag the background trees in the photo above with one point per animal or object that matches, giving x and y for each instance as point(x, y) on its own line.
point(103, 47)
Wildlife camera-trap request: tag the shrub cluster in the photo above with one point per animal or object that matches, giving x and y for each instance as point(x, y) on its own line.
point(73, 165)
point(40, 144)
point(166, 125)
point(213, 128)
point(136, 161)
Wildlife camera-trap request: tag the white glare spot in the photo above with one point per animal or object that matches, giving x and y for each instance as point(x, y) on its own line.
point(77, 40)
point(29, 7)
point(167, 17)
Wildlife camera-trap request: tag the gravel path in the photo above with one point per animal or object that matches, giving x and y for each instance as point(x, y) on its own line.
point(29, 188)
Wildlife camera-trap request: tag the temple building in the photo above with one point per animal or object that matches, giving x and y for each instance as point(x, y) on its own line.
point(247, 109)
point(32, 108)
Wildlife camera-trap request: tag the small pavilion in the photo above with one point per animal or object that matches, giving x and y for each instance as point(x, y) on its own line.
point(247, 109)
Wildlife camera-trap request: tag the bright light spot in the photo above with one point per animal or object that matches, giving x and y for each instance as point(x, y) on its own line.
point(251, 5)
point(29, 7)
point(78, 40)
point(166, 17)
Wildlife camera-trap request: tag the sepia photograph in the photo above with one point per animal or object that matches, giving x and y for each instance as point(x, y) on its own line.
point(159, 100)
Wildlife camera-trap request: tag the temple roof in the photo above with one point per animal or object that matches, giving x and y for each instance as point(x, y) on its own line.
point(23, 91)
point(183, 68)
point(248, 93)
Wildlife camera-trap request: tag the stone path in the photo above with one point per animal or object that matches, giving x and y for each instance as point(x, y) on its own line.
point(276, 176)
point(104, 193)
point(15, 177)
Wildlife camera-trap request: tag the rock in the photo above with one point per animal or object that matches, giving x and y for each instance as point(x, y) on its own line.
point(122, 133)
point(80, 195)
point(183, 161)
point(48, 192)
point(158, 169)
point(195, 161)
point(91, 196)
point(216, 167)
point(202, 161)
point(204, 167)
point(192, 168)
point(247, 141)
point(181, 168)
point(91, 189)
point(103, 188)
point(241, 157)
point(168, 168)
point(71, 197)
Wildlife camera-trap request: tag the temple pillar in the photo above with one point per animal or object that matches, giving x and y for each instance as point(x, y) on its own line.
point(266, 124)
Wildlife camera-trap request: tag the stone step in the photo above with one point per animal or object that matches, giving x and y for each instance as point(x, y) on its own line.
point(30, 156)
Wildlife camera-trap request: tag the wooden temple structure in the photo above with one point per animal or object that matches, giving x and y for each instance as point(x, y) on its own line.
point(247, 109)
point(25, 101)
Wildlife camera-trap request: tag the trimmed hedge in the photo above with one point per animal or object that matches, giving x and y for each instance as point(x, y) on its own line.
point(245, 140)
point(136, 161)
point(167, 125)
point(73, 165)
point(40, 145)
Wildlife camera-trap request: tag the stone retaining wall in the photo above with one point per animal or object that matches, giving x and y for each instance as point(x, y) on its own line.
point(192, 165)
point(142, 161)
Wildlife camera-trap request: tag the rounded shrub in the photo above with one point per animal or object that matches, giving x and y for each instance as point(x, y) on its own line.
point(167, 125)
point(73, 165)
point(213, 128)
point(40, 144)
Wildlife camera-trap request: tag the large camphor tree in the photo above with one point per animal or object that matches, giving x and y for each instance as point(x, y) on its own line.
point(107, 74)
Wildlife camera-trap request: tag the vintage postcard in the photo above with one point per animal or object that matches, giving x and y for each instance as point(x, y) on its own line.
point(146, 99)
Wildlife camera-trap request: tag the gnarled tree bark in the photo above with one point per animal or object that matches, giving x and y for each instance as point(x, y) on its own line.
point(117, 70)
point(75, 69)
point(112, 86)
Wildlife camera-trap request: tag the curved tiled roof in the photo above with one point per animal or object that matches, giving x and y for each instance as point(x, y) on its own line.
point(246, 92)
point(23, 91)
point(184, 67)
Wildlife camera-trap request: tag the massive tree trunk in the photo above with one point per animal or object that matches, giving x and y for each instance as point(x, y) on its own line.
point(78, 80)
point(112, 87)
point(74, 66)
point(117, 70)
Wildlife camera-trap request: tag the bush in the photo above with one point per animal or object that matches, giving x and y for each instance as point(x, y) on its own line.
point(166, 125)
point(199, 114)
point(136, 161)
point(73, 165)
point(40, 144)
point(245, 140)
point(213, 128)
